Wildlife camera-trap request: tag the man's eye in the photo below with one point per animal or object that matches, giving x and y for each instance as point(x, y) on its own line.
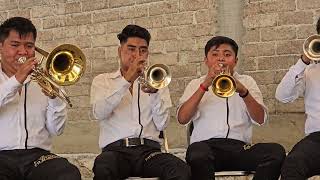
point(30, 46)
point(144, 50)
point(228, 55)
point(14, 45)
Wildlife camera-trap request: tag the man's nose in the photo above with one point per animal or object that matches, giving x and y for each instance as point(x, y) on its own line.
point(221, 58)
point(22, 50)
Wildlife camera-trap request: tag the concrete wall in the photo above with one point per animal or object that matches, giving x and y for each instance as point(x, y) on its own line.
point(270, 34)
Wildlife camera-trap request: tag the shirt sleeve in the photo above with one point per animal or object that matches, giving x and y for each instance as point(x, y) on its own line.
point(56, 116)
point(293, 83)
point(188, 92)
point(106, 95)
point(161, 104)
point(8, 89)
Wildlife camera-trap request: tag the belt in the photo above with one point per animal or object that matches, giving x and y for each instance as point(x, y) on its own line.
point(131, 142)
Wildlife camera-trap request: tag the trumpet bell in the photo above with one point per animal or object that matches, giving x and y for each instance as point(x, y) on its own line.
point(158, 76)
point(223, 86)
point(66, 64)
point(311, 47)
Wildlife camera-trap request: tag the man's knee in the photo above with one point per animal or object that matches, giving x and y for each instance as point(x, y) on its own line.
point(277, 152)
point(175, 169)
point(105, 166)
point(295, 161)
point(199, 152)
point(56, 169)
point(295, 167)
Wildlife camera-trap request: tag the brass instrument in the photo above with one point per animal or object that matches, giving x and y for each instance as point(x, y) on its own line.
point(223, 85)
point(311, 47)
point(156, 76)
point(64, 66)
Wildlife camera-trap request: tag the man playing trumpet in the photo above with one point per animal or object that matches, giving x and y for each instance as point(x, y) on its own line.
point(302, 79)
point(131, 116)
point(28, 118)
point(221, 138)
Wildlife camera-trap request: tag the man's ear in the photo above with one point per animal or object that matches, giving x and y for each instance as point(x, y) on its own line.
point(1, 47)
point(236, 60)
point(205, 60)
point(119, 52)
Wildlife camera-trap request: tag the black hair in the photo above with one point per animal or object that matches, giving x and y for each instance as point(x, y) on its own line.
point(217, 41)
point(134, 31)
point(20, 24)
point(318, 26)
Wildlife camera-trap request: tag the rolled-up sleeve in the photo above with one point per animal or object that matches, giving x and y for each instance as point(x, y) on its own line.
point(106, 95)
point(8, 89)
point(293, 83)
point(56, 116)
point(161, 104)
point(188, 92)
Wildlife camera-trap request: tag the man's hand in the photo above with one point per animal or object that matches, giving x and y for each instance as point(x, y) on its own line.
point(25, 69)
point(50, 95)
point(148, 89)
point(212, 73)
point(47, 88)
point(305, 59)
point(135, 70)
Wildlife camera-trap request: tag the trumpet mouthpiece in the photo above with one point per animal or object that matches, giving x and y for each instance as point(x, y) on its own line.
point(22, 59)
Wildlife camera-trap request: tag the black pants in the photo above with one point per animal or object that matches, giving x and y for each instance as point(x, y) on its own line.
point(35, 164)
point(120, 162)
point(304, 159)
point(207, 157)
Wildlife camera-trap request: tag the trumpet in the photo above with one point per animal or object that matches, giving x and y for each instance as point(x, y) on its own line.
point(311, 47)
point(156, 76)
point(64, 66)
point(223, 85)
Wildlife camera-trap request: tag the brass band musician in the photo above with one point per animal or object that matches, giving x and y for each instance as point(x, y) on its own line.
point(131, 115)
point(28, 118)
point(302, 79)
point(221, 138)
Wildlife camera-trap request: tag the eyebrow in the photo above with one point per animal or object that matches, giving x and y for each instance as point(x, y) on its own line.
point(213, 50)
point(14, 42)
point(145, 47)
point(131, 46)
point(18, 42)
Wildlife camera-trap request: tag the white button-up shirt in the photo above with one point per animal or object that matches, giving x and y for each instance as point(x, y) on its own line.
point(210, 119)
point(45, 116)
point(302, 80)
point(118, 113)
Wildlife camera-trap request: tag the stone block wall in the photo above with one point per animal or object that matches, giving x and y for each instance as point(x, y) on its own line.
point(179, 30)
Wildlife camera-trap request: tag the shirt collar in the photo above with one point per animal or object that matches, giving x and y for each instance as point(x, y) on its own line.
point(115, 74)
point(236, 74)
